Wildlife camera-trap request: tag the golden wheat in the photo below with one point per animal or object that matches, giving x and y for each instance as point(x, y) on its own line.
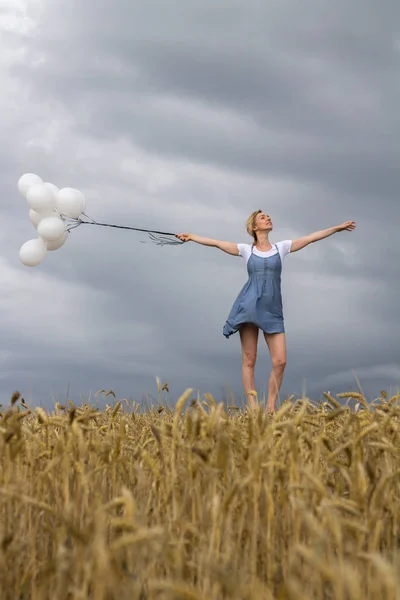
point(199, 502)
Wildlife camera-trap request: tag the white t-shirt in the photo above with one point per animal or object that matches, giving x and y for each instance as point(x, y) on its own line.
point(283, 249)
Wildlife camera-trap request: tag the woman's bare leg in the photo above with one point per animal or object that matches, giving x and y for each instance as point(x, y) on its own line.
point(276, 343)
point(249, 339)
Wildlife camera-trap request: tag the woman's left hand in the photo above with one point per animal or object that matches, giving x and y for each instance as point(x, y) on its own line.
point(347, 226)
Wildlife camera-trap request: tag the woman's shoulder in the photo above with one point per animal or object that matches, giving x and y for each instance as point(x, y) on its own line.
point(284, 247)
point(284, 243)
point(244, 249)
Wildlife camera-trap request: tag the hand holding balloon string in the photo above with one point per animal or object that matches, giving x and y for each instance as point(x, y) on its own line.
point(54, 213)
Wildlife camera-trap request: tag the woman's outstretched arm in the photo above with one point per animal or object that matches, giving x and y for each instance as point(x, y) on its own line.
point(320, 235)
point(229, 247)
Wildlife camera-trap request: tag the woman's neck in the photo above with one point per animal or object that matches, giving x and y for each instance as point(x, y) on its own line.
point(263, 242)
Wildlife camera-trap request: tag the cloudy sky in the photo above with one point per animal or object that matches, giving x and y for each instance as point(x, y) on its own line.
point(187, 116)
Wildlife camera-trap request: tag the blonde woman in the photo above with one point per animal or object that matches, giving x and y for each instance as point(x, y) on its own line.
point(259, 303)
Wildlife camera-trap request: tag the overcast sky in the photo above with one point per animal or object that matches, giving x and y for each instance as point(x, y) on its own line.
point(187, 116)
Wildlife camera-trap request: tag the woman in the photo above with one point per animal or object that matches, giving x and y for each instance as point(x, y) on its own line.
point(259, 303)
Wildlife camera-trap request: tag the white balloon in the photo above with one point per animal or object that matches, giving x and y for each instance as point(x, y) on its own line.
point(35, 218)
point(41, 199)
point(27, 181)
point(52, 187)
point(56, 244)
point(70, 202)
point(51, 228)
point(84, 203)
point(33, 252)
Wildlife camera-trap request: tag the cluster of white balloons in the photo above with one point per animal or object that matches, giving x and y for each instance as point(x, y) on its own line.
point(48, 208)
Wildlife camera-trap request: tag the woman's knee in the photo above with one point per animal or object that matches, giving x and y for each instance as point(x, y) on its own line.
point(249, 359)
point(279, 363)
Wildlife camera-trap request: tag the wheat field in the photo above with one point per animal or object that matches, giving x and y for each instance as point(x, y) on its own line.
point(200, 502)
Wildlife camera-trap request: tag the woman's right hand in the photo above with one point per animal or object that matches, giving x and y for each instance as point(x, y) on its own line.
point(184, 237)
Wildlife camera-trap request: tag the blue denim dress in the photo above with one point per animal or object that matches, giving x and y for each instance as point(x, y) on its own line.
point(259, 301)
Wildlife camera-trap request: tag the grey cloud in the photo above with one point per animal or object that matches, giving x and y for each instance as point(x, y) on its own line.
point(277, 77)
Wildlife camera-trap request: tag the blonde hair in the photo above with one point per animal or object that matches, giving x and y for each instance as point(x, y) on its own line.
point(250, 225)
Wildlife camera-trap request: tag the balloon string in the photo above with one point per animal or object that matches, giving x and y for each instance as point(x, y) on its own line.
point(155, 236)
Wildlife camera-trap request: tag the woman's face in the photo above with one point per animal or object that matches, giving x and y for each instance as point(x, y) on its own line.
point(263, 222)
